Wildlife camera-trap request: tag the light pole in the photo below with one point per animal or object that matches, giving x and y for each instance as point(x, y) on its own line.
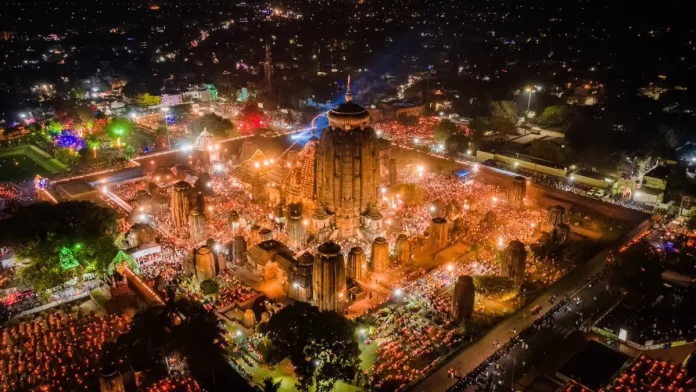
point(529, 101)
point(165, 110)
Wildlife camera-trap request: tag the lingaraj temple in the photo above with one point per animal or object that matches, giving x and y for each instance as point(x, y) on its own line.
point(326, 238)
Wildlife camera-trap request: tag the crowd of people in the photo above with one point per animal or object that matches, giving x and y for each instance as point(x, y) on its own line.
point(175, 383)
point(422, 133)
point(59, 352)
point(232, 290)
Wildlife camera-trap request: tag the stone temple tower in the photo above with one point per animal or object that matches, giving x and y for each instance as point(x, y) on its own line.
point(463, 298)
point(328, 276)
point(347, 166)
point(297, 233)
point(356, 263)
point(514, 261)
point(556, 215)
point(180, 204)
point(517, 193)
point(380, 255)
point(402, 250)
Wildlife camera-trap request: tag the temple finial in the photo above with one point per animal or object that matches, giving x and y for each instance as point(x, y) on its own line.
point(349, 95)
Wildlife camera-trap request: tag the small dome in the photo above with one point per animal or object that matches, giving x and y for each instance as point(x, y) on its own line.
point(348, 115)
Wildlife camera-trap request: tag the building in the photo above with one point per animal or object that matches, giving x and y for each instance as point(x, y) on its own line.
point(347, 167)
point(329, 277)
point(514, 261)
point(463, 298)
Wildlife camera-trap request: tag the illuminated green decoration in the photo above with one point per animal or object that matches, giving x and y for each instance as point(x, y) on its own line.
point(121, 258)
point(67, 259)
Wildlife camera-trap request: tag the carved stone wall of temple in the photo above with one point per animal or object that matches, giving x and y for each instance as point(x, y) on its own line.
point(180, 204)
point(197, 227)
point(514, 261)
point(556, 215)
point(329, 277)
point(301, 288)
point(402, 250)
point(234, 221)
point(357, 264)
point(347, 166)
point(380, 255)
point(439, 233)
point(463, 298)
point(237, 252)
point(297, 231)
point(517, 193)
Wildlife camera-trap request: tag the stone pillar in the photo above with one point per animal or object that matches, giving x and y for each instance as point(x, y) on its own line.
point(180, 204)
point(204, 261)
point(463, 298)
point(517, 193)
point(556, 215)
point(301, 287)
point(402, 250)
point(249, 319)
point(297, 232)
point(514, 262)
point(357, 264)
point(380, 255)
point(238, 250)
point(265, 235)
point(197, 225)
point(392, 172)
point(561, 233)
point(234, 221)
point(439, 237)
point(111, 380)
point(328, 276)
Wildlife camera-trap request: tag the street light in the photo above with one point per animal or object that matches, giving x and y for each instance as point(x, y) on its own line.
point(529, 101)
point(165, 110)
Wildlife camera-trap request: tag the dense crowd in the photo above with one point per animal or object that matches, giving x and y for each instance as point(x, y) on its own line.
point(232, 290)
point(57, 353)
point(422, 133)
point(175, 383)
point(652, 375)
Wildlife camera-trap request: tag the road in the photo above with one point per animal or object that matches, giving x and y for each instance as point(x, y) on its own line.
point(470, 357)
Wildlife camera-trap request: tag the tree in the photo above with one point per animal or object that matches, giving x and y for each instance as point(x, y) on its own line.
point(216, 125)
point(677, 183)
point(479, 126)
point(691, 222)
point(52, 237)
point(640, 268)
point(128, 152)
point(270, 386)
point(94, 144)
point(549, 150)
point(552, 116)
point(405, 119)
point(146, 99)
point(184, 327)
point(504, 110)
point(119, 127)
point(321, 345)
point(547, 248)
point(209, 287)
point(445, 129)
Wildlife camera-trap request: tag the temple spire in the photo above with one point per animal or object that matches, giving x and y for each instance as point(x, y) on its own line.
point(349, 95)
